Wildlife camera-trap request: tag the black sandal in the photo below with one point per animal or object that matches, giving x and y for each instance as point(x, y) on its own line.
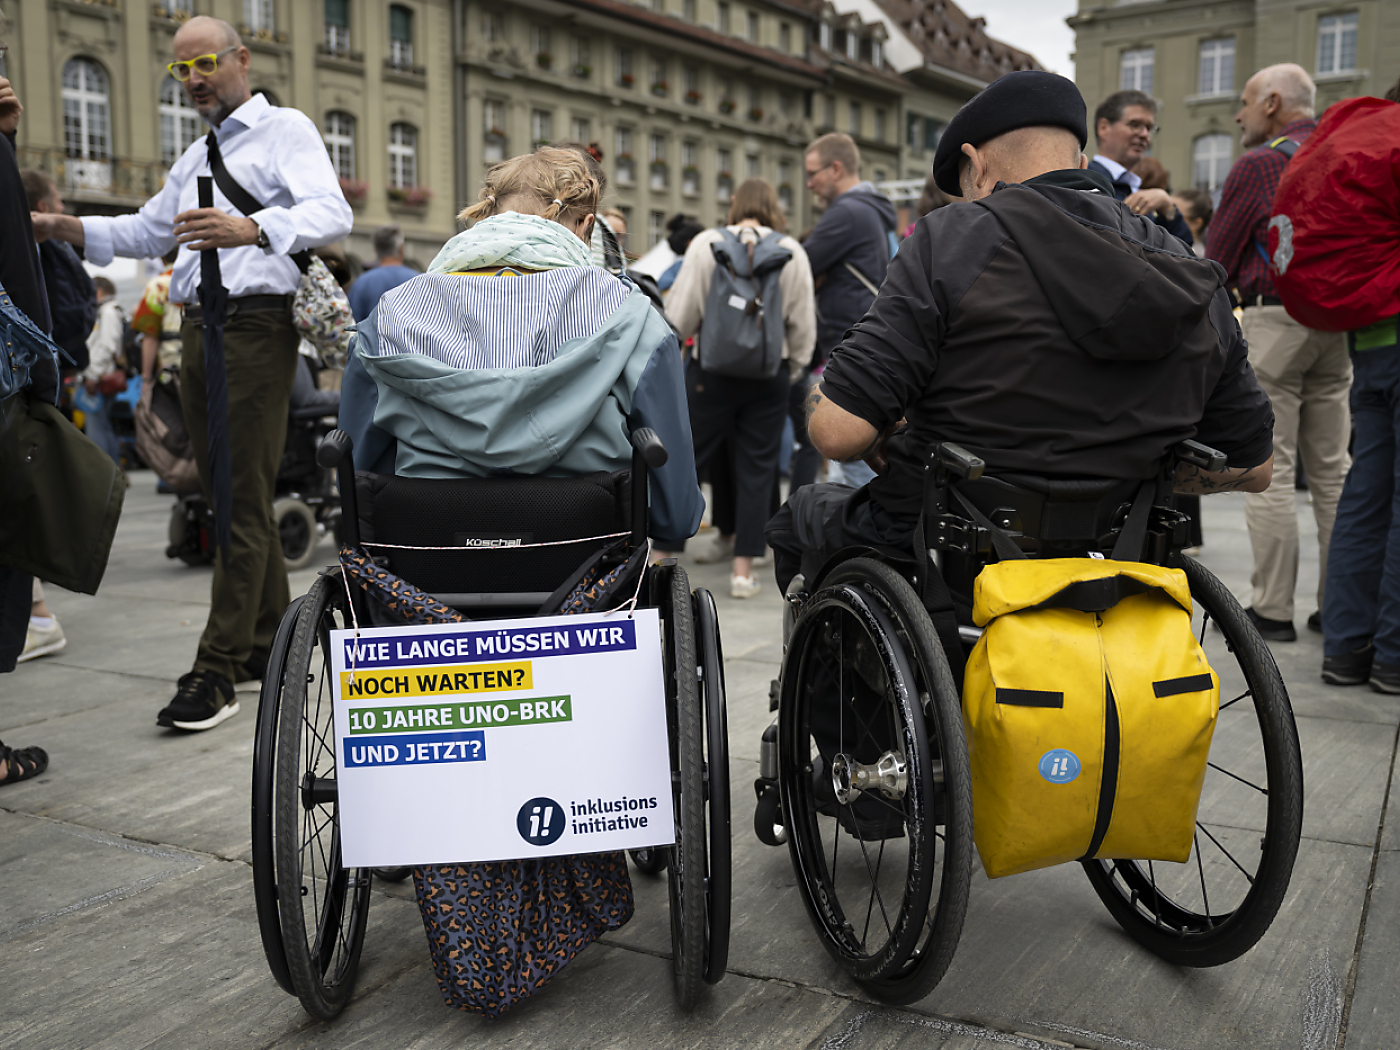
point(21, 763)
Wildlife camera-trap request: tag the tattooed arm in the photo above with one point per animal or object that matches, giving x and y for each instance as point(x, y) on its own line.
point(1193, 481)
point(836, 433)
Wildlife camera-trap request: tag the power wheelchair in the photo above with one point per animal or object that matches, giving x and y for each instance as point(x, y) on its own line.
point(312, 911)
point(875, 803)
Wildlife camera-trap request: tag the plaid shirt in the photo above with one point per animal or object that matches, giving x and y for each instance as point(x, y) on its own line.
point(1242, 220)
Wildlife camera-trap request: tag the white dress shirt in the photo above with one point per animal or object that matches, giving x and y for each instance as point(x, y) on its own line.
point(1118, 173)
point(274, 153)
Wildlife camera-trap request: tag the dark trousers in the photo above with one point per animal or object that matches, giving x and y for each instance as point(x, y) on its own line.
point(1362, 600)
point(750, 413)
point(818, 521)
point(249, 594)
point(806, 460)
point(16, 600)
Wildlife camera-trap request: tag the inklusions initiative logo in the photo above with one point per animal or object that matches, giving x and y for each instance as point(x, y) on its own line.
point(540, 821)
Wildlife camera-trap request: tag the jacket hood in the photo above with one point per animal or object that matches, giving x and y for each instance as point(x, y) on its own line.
point(864, 194)
point(1133, 293)
point(528, 375)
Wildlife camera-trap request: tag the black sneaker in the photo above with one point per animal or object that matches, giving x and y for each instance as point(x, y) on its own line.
point(1385, 678)
point(1272, 630)
point(1315, 622)
point(202, 700)
point(1351, 668)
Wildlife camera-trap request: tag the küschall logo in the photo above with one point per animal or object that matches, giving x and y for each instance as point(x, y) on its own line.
point(1059, 766)
point(540, 821)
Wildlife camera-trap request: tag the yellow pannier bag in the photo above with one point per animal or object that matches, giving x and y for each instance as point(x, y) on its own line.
point(1089, 708)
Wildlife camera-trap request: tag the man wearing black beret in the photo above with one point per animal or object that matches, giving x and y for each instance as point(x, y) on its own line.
point(1040, 324)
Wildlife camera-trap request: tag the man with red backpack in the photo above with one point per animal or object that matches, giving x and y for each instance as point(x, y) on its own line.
point(1305, 372)
point(1332, 244)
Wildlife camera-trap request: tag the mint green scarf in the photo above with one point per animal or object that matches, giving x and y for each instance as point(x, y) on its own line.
point(530, 242)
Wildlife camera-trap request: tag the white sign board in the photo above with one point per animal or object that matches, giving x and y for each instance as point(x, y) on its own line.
point(493, 740)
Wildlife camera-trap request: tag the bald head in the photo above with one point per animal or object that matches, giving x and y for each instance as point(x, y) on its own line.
point(219, 93)
point(1016, 156)
point(1273, 98)
point(202, 31)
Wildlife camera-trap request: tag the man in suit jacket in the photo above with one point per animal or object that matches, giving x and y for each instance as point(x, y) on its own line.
point(1124, 125)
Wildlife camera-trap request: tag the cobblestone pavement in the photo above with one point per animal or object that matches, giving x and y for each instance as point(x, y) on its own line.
point(126, 906)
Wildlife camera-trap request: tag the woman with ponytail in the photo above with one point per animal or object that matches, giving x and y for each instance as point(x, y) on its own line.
point(514, 354)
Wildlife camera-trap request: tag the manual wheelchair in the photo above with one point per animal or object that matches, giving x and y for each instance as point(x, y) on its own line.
point(865, 772)
point(311, 911)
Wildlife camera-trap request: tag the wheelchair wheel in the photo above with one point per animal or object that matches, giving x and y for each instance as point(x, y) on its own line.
point(323, 907)
point(718, 889)
point(297, 529)
point(264, 748)
point(688, 872)
point(874, 781)
point(1218, 904)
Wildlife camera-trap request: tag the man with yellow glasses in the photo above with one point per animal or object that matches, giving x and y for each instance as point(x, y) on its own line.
point(277, 157)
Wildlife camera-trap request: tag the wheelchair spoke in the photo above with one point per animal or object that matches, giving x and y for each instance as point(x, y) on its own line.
point(1200, 869)
point(1236, 700)
point(1227, 853)
point(1242, 780)
point(874, 888)
point(868, 904)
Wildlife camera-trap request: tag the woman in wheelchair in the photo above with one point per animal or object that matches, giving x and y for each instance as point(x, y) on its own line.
point(513, 355)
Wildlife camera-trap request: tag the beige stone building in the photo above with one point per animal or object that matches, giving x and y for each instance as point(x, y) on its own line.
point(1194, 56)
point(416, 98)
point(103, 116)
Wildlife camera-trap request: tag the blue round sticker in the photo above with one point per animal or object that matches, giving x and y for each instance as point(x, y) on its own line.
point(540, 821)
point(1059, 766)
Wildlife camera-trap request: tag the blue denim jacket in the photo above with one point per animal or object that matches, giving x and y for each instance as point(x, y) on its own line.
point(26, 350)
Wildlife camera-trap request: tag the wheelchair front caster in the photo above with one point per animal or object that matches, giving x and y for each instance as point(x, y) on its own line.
point(651, 861)
point(768, 822)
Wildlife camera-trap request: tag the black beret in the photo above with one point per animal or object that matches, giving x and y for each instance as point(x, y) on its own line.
point(1029, 98)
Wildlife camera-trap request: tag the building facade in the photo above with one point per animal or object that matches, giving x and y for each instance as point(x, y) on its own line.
point(415, 99)
point(1194, 56)
point(103, 116)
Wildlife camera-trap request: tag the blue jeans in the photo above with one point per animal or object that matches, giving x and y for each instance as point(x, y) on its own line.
point(97, 424)
point(1362, 603)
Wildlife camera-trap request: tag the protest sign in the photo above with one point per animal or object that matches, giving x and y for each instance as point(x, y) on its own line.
point(490, 740)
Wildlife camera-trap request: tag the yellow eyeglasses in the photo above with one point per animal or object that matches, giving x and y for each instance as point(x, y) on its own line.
point(204, 65)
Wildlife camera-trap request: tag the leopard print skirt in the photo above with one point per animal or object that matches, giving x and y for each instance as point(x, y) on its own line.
point(498, 931)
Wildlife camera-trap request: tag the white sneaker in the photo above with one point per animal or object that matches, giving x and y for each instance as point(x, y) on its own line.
point(743, 586)
point(42, 641)
point(721, 548)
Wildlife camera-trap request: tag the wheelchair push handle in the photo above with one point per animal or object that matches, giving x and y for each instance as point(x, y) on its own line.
point(959, 461)
point(649, 444)
point(1199, 455)
point(334, 447)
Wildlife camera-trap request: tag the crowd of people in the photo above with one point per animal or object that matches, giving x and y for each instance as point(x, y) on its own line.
point(847, 333)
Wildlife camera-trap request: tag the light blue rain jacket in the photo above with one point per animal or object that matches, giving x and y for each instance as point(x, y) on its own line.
point(541, 374)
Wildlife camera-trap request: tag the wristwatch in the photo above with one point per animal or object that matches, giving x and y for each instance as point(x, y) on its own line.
point(262, 241)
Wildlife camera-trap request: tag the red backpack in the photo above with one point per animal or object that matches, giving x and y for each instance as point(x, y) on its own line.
point(1334, 236)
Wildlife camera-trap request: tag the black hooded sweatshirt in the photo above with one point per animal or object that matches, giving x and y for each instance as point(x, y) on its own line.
point(1048, 330)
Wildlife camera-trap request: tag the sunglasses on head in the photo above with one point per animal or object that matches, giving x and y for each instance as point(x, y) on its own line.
point(204, 65)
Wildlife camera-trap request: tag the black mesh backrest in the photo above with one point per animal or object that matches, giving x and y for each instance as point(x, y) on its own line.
point(491, 512)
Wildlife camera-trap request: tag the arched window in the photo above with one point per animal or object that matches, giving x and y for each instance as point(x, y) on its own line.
point(340, 143)
point(179, 122)
point(400, 37)
point(87, 133)
point(403, 156)
point(1211, 161)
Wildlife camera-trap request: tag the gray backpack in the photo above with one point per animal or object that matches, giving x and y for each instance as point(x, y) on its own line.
point(742, 332)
